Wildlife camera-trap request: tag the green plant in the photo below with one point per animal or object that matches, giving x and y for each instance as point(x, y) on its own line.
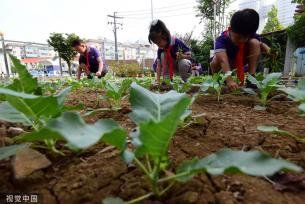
point(20, 105)
point(272, 60)
point(296, 32)
point(115, 93)
point(273, 24)
point(266, 86)
point(215, 82)
point(181, 87)
point(297, 94)
point(145, 82)
point(157, 117)
point(62, 43)
point(276, 130)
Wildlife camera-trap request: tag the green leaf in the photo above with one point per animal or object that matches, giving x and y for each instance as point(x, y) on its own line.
point(295, 94)
point(31, 105)
point(302, 107)
point(158, 116)
point(148, 106)
point(10, 114)
point(253, 80)
point(272, 78)
point(8, 151)
point(248, 91)
point(269, 129)
point(62, 95)
point(26, 82)
point(112, 200)
point(301, 84)
point(252, 163)
point(71, 127)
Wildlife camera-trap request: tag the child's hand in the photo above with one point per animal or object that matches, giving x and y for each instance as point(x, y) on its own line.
point(232, 85)
point(99, 73)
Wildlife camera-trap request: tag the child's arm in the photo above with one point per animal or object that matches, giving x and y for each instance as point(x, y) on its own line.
point(265, 48)
point(223, 60)
point(79, 71)
point(101, 66)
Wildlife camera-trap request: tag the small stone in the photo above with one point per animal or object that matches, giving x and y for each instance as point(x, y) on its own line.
point(28, 161)
point(13, 131)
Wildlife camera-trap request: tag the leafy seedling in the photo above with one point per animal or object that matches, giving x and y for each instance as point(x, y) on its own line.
point(297, 94)
point(115, 94)
point(276, 130)
point(157, 117)
point(215, 82)
point(266, 86)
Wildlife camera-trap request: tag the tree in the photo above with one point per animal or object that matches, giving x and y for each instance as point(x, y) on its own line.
point(62, 44)
point(273, 23)
point(296, 32)
point(206, 12)
point(186, 38)
point(201, 50)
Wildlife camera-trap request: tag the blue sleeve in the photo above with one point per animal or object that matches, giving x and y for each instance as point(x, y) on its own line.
point(180, 44)
point(159, 54)
point(95, 53)
point(220, 45)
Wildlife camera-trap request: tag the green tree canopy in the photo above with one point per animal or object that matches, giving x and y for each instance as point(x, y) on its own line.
point(273, 23)
point(62, 44)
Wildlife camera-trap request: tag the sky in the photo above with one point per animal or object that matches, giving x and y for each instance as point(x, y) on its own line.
point(34, 20)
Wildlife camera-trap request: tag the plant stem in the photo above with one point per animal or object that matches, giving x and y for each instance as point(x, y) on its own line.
point(141, 166)
point(148, 163)
point(167, 188)
point(139, 198)
point(172, 177)
point(154, 178)
point(297, 138)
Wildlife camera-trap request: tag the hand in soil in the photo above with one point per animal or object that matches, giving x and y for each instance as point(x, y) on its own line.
point(232, 85)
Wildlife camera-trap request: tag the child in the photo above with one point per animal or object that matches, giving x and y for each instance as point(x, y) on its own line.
point(173, 54)
point(238, 46)
point(196, 68)
point(89, 60)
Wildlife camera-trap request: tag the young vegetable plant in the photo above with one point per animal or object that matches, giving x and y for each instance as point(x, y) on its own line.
point(215, 82)
point(157, 117)
point(45, 114)
point(276, 130)
point(115, 94)
point(266, 86)
point(181, 87)
point(297, 94)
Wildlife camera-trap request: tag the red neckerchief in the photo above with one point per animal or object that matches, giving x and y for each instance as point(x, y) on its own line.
point(239, 59)
point(168, 60)
point(87, 62)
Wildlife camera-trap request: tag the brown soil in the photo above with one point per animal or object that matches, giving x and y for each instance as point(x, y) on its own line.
point(92, 175)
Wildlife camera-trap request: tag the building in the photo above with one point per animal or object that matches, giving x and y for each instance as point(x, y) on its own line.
point(285, 10)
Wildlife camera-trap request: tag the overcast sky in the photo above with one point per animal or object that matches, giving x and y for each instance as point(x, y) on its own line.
point(34, 20)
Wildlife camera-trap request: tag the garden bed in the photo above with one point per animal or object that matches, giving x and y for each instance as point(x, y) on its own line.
point(99, 171)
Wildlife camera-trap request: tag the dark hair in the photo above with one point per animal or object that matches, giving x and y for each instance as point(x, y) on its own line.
point(245, 22)
point(158, 30)
point(76, 42)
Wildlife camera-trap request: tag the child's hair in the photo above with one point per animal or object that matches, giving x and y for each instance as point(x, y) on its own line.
point(157, 31)
point(245, 22)
point(76, 42)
